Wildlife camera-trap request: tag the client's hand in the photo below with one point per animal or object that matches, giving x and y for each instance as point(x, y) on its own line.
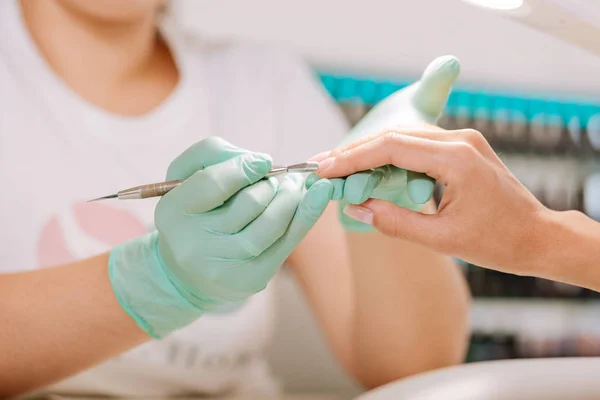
point(485, 217)
point(414, 106)
point(221, 236)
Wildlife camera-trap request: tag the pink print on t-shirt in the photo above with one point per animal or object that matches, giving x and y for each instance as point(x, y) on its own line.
point(85, 230)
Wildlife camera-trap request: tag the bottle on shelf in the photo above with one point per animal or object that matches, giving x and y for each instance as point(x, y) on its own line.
point(500, 123)
point(537, 126)
point(518, 132)
point(556, 131)
point(448, 118)
point(463, 117)
point(591, 195)
point(482, 117)
point(593, 132)
point(575, 126)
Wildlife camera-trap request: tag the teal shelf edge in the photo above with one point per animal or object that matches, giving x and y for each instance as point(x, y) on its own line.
point(468, 102)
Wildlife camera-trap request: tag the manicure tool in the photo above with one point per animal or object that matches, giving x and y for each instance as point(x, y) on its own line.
point(162, 188)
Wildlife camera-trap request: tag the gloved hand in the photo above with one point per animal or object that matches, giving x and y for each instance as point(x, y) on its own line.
point(418, 104)
point(221, 236)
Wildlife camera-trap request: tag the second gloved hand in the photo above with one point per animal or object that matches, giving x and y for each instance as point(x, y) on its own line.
point(418, 104)
point(221, 236)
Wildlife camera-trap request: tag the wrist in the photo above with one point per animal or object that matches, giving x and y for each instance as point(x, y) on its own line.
point(565, 249)
point(144, 289)
point(536, 247)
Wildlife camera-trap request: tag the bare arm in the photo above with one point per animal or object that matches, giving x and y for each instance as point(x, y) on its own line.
point(59, 321)
point(571, 253)
point(389, 308)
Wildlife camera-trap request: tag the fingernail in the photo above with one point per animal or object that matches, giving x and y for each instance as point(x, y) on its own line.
point(359, 213)
point(320, 156)
point(326, 163)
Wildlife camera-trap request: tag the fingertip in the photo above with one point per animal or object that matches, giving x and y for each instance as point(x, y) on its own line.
point(264, 158)
point(338, 188)
point(337, 183)
point(445, 69)
point(434, 87)
point(420, 187)
point(325, 165)
point(256, 165)
point(387, 217)
point(317, 198)
point(360, 186)
point(359, 213)
point(310, 180)
point(396, 221)
point(323, 187)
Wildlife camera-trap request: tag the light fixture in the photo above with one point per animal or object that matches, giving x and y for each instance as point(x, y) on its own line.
point(497, 4)
point(574, 21)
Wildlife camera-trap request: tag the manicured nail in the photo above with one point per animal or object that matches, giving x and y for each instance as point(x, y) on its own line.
point(321, 156)
point(359, 213)
point(326, 163)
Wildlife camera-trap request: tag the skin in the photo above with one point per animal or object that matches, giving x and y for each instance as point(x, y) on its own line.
point(50, 318)
point(388, 309)
point(521, 237)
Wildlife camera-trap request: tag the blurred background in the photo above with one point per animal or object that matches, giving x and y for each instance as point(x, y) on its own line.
point(534, 97)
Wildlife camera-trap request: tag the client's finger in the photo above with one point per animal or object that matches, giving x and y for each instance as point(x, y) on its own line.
point(321, 156)
point(403, 151)
point(469, 136)
point(399, 222)
point(427, 129)
point(209, 188)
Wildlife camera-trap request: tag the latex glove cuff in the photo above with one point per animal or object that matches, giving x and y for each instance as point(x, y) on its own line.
point(145, 290)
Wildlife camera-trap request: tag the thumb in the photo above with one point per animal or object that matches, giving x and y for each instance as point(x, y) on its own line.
point(395, 221)
point(434, 87)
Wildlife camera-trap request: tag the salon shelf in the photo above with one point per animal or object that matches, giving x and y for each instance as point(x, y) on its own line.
point(467, 101)
point(547, 317)
point(514, 122)
point(525, 328)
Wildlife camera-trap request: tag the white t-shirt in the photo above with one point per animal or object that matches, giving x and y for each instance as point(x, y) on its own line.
point(57, 151)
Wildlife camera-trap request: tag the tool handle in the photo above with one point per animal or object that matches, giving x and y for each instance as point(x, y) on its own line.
point(158, 189)
point(161, 188)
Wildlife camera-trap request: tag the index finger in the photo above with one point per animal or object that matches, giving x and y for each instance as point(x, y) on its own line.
point(425, 128)
point(211, 187)
point(403, 151)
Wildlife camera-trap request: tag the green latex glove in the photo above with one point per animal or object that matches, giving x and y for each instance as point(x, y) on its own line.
point(221, 236)
point(419, 103)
